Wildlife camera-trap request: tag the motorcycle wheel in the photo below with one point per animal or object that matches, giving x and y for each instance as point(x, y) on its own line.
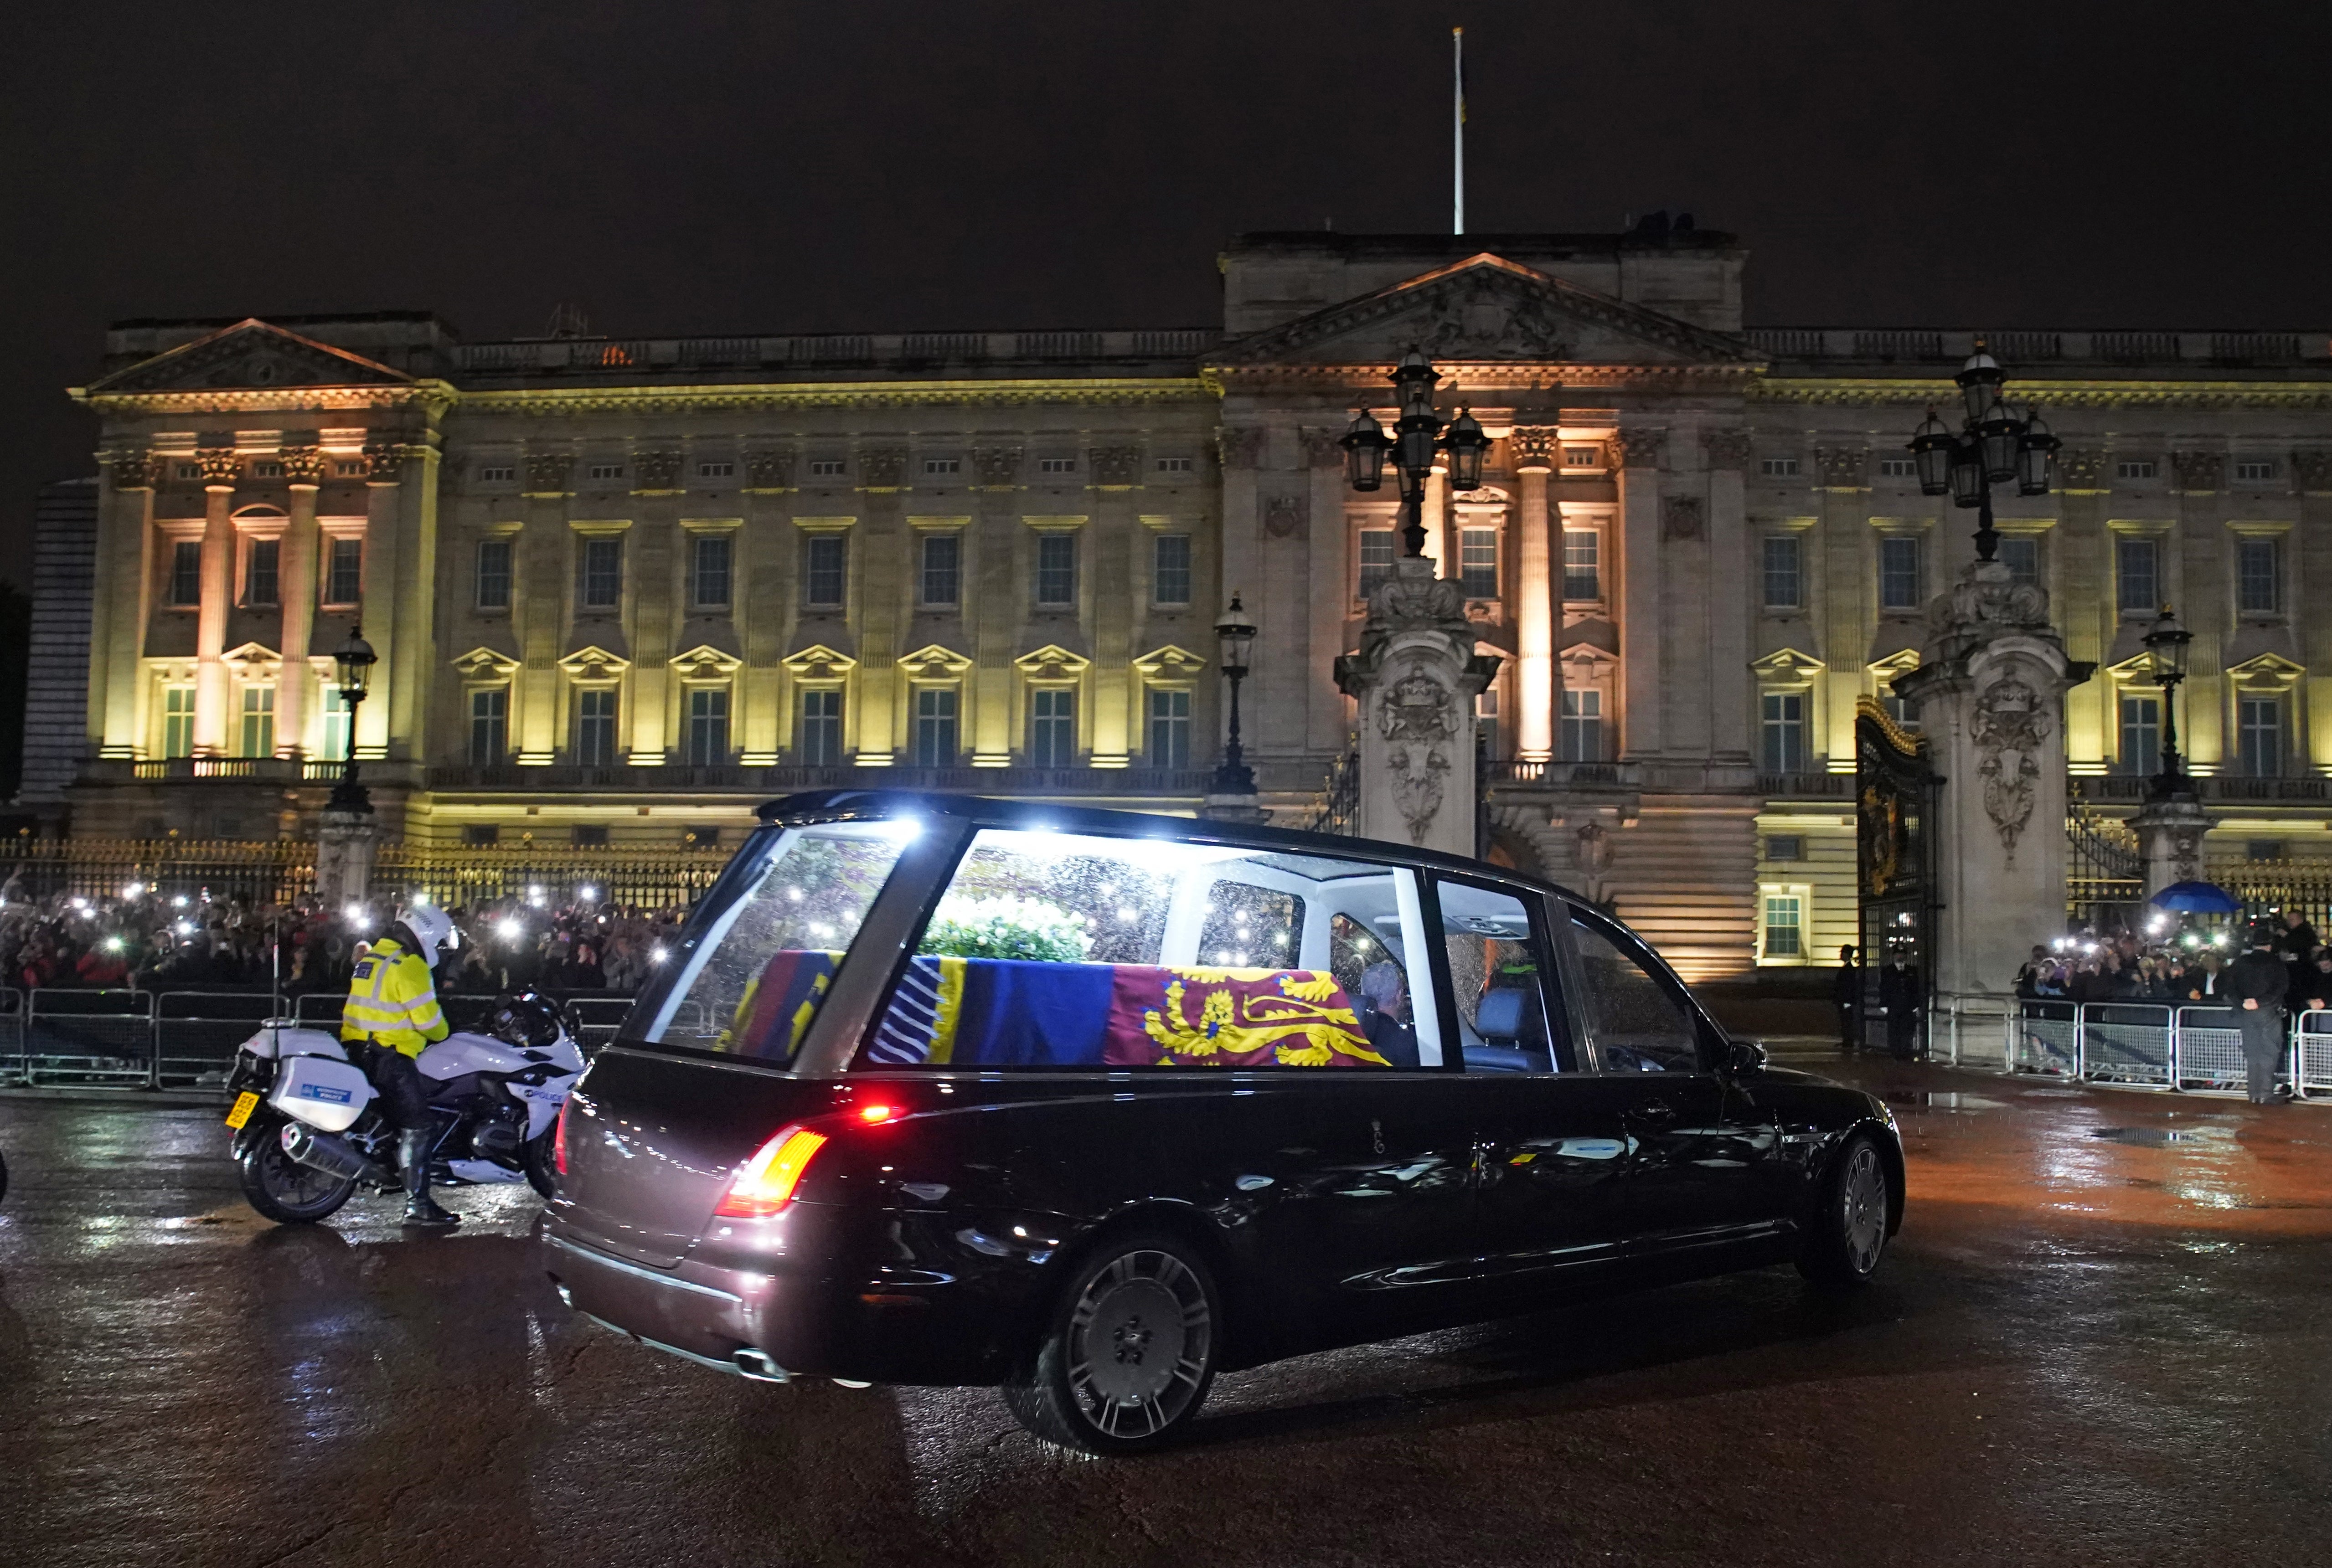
point(284, 1189)
point(540, 1173)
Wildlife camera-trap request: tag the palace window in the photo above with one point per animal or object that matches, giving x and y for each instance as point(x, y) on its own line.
point(824, 570)
point(496, 473)
point(489, 725)
point(1170, 579)
point(941, 467)
point(2263, 849)
point(709, 556)
point(338, 734)
point(2022, 557)
point(2141, 736)
point(1785, 725)
point(942, 575)
point(595, 727)
point(1053, 727)
point(1785, 925)
point(493, 574)
point(2259, 730)
point(267, 468)
point(1478, 562)
point(1486, 719)
point(258, 722)
point(707, 740)
point(602, 568)
point(2252, 470)
point(177, 721)
point(259, 571)
point(186, 572)
point(827, 467)
point(2136, 468)
point(355, 468)
point(1175, 465)
point(1784, 584)
point(190, 470)
point(590, 835)
point(716, 470)
point(821, 728)
point(1580, 735)
point(1169, 728)
point(2136, 588)
point(1897, 467)
point(1898, 574)
point(1056, 465)
point(1057, 570)
point(1582, 564)
point(1901, 709)
point(2257, 588)
point(1778, 467)
point(481, 835)
point(935, 737)
point(1582, 457)
point(1376, 559)
point(1785, 847)
point(604, 470)
point(344, 572)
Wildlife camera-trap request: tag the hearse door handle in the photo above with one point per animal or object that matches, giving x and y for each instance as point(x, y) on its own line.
point(1658, 1113)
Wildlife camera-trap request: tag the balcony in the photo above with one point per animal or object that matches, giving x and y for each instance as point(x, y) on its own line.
point(262, 770)
point(762, 782)
point(1565, 775)
point(1807, 787)
point(2133, 788)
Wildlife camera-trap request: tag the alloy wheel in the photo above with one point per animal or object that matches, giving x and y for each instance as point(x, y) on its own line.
point(1863, 1204)
point(1140, 1345)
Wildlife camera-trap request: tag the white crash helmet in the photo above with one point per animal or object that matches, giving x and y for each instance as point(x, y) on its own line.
point(433, 928)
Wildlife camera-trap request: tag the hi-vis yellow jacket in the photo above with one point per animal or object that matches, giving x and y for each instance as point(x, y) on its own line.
point(391, 1001)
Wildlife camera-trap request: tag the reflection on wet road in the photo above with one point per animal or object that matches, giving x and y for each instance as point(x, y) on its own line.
point(2106, 1336)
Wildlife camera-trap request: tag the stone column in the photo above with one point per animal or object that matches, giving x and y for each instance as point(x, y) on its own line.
point(2170, 829)
point(124, 599)
point(1636, 454)
point(1732, 569)
point(221, 467)
point(296, 586)
point(1534, 450)
point(345, 841)
point(1437, 518)
point(1415, 679)
point(391, 628)
point(1992, 680)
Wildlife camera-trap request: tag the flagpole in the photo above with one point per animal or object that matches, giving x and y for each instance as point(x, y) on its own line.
point(1458, 127)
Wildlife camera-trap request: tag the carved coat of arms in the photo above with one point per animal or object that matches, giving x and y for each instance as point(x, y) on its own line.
point(2010, 724)
point(1414, 716)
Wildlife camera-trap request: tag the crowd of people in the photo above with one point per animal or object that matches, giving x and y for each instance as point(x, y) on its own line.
point(2188, 967)
point(153, 939)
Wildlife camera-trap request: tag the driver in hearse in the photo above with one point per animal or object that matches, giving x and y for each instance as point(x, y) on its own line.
point(391, 1016)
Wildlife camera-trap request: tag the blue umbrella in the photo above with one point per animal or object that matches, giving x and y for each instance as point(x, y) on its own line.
point(2197, 898)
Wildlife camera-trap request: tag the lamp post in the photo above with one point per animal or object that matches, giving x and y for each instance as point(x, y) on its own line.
point(1419, 433)
point(354, 659)
point(1991, 447)
point(1235, 635)
point(2165, 649)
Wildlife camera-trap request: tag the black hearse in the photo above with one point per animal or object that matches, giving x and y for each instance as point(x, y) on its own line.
point(1094, 1105)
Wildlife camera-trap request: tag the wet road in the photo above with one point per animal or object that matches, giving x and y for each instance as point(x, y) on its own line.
point(2085, 1349)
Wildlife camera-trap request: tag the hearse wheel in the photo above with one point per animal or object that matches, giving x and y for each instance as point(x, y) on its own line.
point(1129, 1353)
point(1849, 1232)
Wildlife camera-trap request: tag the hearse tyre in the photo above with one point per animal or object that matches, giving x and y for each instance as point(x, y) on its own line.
point(1847, 1234)
point(1129, 1352)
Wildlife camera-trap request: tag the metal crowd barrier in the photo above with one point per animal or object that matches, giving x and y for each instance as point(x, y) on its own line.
point(56, 1037)
point(2157, 1045)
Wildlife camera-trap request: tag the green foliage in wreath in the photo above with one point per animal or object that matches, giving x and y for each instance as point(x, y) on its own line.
point(1007, 927)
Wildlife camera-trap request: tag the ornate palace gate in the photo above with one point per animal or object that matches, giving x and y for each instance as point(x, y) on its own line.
point(1894, 881)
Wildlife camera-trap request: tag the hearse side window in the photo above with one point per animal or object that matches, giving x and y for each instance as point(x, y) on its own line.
point(1501, 981)
point(758, 968)
point(1060, 950)
point(1639, 1021)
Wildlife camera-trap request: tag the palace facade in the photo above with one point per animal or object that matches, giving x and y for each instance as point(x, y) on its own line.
point(624, 589)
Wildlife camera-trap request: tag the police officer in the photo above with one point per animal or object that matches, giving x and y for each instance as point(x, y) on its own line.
point(2258, 986)
point(392, 1015)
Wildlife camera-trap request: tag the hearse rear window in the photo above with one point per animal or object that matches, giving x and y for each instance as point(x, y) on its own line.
point(1053, 950)
point(751, 982)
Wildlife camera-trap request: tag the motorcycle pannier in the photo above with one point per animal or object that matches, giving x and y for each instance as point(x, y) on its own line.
point(320, 1090)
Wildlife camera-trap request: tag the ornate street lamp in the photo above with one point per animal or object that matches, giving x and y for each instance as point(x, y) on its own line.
point(2166, 651)
point(353, 661)
point(1419, 433)
point(1991, 447)
point(1235, 634)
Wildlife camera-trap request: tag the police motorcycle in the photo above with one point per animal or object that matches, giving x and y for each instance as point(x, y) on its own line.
point(307, 1133)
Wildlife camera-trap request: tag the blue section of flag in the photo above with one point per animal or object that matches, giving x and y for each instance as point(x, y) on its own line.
point(905, 1037)
point(1019, 1014)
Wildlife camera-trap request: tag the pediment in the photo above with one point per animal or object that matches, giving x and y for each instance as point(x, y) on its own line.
point(1489, 308)
point(706, 662)
point(1784, 665)
point(1170, 663)
point(251, 655)
point(935, 662)
point(818, 662)
point(594, 663)
point(250, 355)
point(1052, 663)
point(484, 664)
point(2265, 671)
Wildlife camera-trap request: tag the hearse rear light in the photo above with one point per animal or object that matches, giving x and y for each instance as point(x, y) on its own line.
point(874, 1116)
point(765, 1183)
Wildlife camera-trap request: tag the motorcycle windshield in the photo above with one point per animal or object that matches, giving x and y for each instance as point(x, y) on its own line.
point(760, 953)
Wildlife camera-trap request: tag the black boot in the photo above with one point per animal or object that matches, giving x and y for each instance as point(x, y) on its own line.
point(413, 1154)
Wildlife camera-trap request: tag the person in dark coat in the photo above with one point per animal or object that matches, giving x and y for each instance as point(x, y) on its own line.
point(2295, 944)
point(2261, 989)
point(1846, 995)
point(1901, 995)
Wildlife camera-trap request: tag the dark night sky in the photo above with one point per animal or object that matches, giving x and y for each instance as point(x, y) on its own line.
point(709, 168)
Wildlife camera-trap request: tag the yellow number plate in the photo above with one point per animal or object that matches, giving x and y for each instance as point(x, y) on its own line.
point(245, 1103)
